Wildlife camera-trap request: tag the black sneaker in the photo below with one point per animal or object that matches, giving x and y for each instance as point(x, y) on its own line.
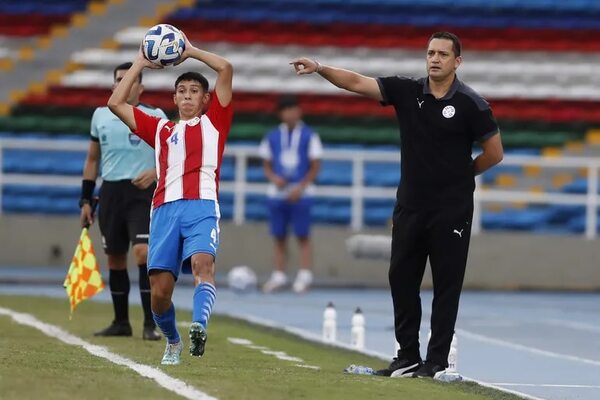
point(116, 329)
point(400, 367)
point(150, 333)
point(197, 339)
point(428, 370)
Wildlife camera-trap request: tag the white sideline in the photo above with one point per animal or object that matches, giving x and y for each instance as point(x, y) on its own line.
point(172, 384)
point(529, 349)
point(312, 337)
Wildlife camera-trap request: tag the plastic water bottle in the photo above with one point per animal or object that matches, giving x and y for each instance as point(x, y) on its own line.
point(329, 323)
point(358, 330)
point(453, 355)
point(359, 370)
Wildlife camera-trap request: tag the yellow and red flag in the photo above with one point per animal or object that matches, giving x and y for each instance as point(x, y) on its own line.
point(83, 279)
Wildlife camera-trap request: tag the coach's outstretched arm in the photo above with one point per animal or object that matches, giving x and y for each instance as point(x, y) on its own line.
point(341, 78)
point(118, 100)
point(223, 68)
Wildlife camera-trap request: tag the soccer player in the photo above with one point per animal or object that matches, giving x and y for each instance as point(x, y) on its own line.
point(291, 159)
point(129, 178)
point(184, 227)
point(439, 118)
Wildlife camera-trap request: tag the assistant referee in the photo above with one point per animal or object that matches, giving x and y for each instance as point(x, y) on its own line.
point(129, 179)
point(439, 118)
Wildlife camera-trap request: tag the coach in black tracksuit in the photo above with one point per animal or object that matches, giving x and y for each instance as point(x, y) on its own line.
point(440, 118)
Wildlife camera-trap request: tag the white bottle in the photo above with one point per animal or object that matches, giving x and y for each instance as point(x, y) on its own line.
point(358, 330)
point(453, 356)
point(329, 323)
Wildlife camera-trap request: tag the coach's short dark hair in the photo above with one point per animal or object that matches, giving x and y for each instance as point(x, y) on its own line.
point(125, 66)
point(193, 76)
point(456, 45)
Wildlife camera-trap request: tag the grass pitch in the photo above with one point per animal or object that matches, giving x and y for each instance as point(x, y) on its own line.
point(33, 365)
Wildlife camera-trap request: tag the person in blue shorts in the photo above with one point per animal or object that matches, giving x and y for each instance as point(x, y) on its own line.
point(291, 155)
point(184, 227)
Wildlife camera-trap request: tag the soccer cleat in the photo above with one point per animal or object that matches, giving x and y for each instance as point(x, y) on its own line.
point(172, 355)
point(303, 281)
point(277, 281)
point(428, 370)
point(150, 333)
point(399, 368)
point(197, 339)
point(116, 329)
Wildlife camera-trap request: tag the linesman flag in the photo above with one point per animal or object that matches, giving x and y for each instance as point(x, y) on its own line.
point(83, 279)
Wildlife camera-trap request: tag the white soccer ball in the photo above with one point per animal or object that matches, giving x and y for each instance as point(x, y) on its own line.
point(163, 44)
point(242, 279)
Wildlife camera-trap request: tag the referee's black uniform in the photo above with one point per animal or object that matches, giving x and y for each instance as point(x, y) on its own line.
point(434, 207)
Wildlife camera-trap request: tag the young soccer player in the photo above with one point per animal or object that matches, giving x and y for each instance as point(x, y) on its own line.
point(184, 227)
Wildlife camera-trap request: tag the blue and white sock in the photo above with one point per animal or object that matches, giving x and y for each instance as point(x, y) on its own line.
point(204, 298)
point(166, 323)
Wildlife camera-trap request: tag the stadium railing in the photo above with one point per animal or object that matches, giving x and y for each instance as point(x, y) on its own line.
point(358, 192)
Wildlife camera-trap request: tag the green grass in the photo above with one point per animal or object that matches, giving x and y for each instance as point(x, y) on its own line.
point(33, 365)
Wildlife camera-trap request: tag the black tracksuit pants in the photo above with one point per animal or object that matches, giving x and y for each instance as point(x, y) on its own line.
point(442, 235)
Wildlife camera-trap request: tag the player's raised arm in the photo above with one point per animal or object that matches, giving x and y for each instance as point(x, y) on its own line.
point(118, 100)
point(223, 68)
point(342, 78)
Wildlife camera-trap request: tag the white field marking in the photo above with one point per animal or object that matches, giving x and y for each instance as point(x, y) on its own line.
point(255, 347)
point(243, 342)
point(503, 389)
point(281, 355)
point(529, 349)
point(172, 384)
point(315, 338)
point(307, 366)
point(554, 385)
point(573, 325)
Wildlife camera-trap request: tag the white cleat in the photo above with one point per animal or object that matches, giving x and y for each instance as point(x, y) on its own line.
point(172, 355)
point(277, 281)
point(303, 281)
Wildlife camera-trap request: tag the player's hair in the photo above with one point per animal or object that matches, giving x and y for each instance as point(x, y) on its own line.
point(456, 45)
point(193, 76)
point(125, 66)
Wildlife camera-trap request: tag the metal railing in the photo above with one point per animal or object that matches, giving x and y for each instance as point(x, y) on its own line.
point(358, 192)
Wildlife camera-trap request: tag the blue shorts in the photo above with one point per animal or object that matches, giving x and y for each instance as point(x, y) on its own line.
point(180, 229)
point(283, 212)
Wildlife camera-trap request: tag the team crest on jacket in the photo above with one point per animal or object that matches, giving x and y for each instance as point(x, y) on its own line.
point(448, 112)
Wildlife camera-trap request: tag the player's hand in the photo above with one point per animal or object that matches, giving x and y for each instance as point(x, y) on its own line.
point(186, 52)
point(87, 216)
point(144, 62)
point(304, 65)
point(279, 182)
point(295, 194)
point(145, 179)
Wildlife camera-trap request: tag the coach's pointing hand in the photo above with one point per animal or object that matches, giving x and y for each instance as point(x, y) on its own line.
point(304, 65)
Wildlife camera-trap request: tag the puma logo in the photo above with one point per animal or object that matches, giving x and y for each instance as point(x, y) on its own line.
point(459, 233)
point(420, 103)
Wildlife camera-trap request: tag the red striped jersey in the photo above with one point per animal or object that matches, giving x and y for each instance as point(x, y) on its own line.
point(188, 153)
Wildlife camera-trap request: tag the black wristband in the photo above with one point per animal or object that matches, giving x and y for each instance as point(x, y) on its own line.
point(87, 189)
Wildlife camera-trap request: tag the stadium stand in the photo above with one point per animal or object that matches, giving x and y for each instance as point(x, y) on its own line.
point(534, 60)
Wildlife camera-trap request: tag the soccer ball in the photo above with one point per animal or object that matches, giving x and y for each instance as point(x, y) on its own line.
point(242, 279)
point(163, 44)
